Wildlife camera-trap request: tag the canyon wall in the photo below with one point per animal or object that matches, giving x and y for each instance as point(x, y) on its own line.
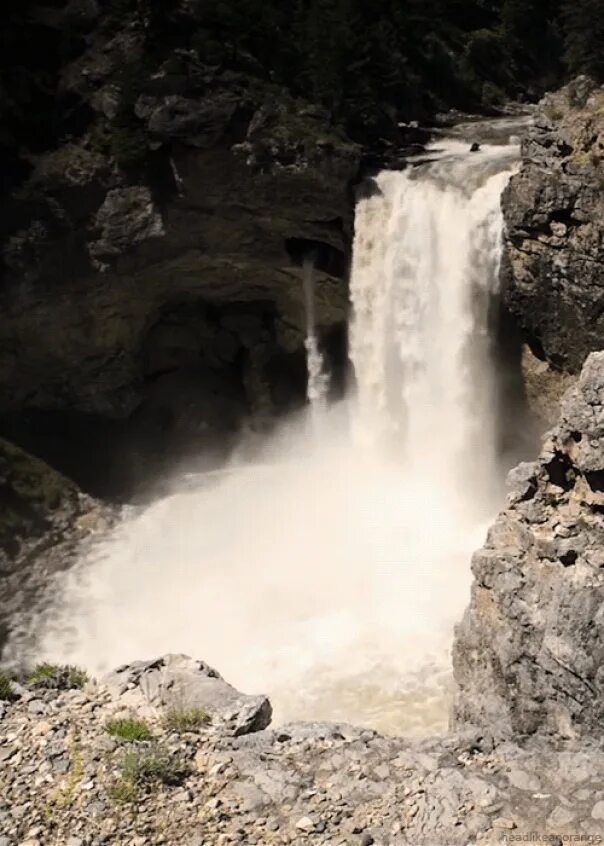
point(553, 272)
point(151, 290)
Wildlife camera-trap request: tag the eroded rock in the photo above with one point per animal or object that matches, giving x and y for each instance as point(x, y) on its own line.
point(529, 653)
point(554, 211)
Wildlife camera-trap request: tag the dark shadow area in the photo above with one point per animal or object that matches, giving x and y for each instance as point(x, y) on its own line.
point(324, 257)
point(518, 430)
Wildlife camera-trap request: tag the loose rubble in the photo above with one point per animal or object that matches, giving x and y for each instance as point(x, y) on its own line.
point(65, 781)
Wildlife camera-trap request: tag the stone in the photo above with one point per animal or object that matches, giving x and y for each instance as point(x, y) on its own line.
point(523, 781)
point(560, 816)
point(127, 216)
point(554, 213)
point(597, 811)
point(528, 652)
point(305, 824)
point(188, 683)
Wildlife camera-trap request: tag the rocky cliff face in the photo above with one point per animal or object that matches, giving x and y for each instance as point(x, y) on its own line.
point(43, 520)
point(529, 654)
point(152, 292)
point(553, 271)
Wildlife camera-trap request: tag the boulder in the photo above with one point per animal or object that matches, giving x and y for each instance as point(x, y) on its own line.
point(180, 682)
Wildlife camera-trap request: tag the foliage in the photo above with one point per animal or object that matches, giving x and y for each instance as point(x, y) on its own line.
point(583, 24)
point(145, 768)
point(366, 55)
point(186, 720)
point(58, 677)
point(6, 693)
point(64, 797)
point(132, 730)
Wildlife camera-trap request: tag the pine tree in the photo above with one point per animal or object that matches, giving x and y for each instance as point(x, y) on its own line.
point(583, 22)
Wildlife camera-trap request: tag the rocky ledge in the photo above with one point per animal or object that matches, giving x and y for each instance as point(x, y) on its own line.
point(529, 654)
point(553, 269)
point(165, 752)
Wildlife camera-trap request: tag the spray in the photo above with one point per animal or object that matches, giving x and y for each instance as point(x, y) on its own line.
point(330, 574)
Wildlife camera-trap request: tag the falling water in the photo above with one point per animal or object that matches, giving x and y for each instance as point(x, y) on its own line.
point(330, 575)
point(318, 379)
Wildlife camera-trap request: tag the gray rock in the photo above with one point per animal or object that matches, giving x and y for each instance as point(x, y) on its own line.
point(554, 211)
point(529, 653)
point(126, 217)
point(598, 811)
point(181, 682)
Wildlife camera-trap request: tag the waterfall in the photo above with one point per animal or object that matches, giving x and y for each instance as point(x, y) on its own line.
point(426, 264)
point(331, 573)
point(318, 380)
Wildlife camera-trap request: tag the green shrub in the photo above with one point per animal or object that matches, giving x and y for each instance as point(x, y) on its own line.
point(6, 692)
point(184, 720)
point(58, 677)
point(132, 730)
point(154, 765)
point(123, 791)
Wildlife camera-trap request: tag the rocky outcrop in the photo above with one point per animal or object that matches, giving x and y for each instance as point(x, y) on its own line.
point(529, 654)
point(152, 291)
point(44, 519)
point(177, 681)
point(553, 270)
point(82, 766)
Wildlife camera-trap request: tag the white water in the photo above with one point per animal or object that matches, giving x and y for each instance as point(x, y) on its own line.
point(330, 574)
point(318, 379)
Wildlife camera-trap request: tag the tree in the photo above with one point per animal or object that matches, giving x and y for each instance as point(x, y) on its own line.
point(583, 23)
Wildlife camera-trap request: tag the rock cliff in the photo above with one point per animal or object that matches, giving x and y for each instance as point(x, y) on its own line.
point(44, 519)
point(529, 653)
point(553, 269)
point(151, 292)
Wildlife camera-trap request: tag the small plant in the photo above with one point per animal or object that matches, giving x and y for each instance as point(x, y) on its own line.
point(123, 791)
point(64, 797)
point(132, 730)
point(185, 720)
point(153, 765)
point(6, 691)
point(144, 768)
point(58, 677)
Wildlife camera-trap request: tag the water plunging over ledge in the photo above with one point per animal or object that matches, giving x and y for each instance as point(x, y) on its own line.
point(330, 575)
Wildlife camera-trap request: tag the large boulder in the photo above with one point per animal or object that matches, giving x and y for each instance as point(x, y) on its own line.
point(529, 653)
point(553, 267)
point(182, 683)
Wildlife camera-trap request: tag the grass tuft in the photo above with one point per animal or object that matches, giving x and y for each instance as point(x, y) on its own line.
point(58, 677)
point(123, 791)
point(186, 720)
point(6, 691)
point(144, 768)
point(132, 730)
